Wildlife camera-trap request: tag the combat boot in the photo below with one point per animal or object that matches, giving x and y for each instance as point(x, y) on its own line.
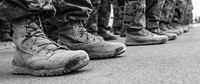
point(37, 55)
point(144, 37)
point(169, 29)
point(176, 26)
point(73, 35)
point(171, 36)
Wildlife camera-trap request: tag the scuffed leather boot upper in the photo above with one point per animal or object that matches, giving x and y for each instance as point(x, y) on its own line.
point(37, 55)
point(75, 37)
point(171, 36)
point(144, 37)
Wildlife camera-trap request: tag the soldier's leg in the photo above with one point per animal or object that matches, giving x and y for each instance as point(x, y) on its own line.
point(117, 22)
point(35, 54)
point(178, 16)
point(72, 33)
point(91, 23)
point(185, 17)
point(103, 19)
point(135, 23)
point(178, 11)
point(167, 14)
point(123, 30)
point(187, 13)
point(153, 17)
point(118, 7)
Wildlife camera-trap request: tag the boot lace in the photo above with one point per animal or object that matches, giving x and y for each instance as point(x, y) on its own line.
point(32, 31)
point(89, 36)
point(147, 32)
point(158, 31)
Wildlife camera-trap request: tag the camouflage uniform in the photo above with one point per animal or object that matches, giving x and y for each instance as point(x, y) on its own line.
point(188, 15)
point(141, 20)
point(141, 14)
point(182, 15)
point(81, 11)
point(118, 7)
point(25, 8)
point(167, 11)
point(99, 18)
point(178, 13)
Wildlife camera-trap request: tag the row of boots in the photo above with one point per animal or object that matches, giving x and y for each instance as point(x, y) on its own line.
point(160, 35)
point(38, 55)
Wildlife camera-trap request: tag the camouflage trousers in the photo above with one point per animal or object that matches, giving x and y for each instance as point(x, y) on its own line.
point(187, 17)
point(98, 21)
point(118, 7)
point(178, 12)
point(12, 9)
point(182, 12)
point(65, 10)
point(139, 14)
point(167, 11)
point(52, 12)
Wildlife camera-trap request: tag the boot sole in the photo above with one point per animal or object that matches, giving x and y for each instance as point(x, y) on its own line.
point(78, 63)
point(146, 43)
point(106, 55)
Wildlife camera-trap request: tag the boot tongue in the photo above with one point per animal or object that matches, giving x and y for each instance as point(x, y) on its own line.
point(89, 37)
point(83, 35)
point(36, 37)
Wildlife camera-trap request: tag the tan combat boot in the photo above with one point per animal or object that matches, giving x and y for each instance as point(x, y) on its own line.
point(144, 37)
point(169, 29)
point(171, 36)
point(37, 55)
point(73, 35)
